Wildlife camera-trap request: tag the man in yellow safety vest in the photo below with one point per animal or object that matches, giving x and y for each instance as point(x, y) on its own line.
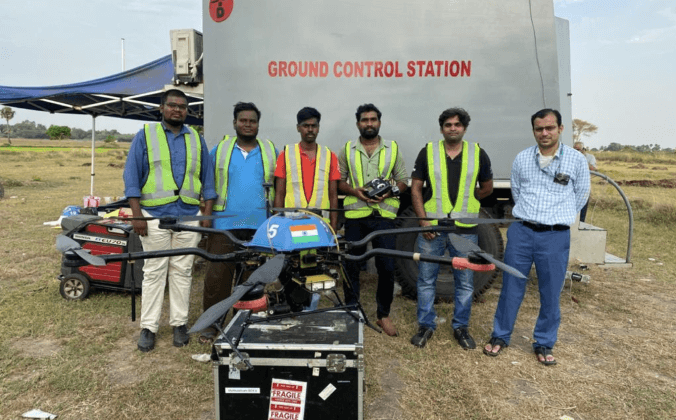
point(167, 169)
point(360, 162)
point(450, 169)
point(307, 174)
point(242, 164)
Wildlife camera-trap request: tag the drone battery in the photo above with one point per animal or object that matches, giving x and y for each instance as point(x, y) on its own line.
point(100, 237)
point(305, 366)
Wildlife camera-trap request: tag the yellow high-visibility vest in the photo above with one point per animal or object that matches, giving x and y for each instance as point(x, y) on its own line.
point(160, 187)
point(466, 204)
point(295, 191)
point(223, 155)
point(356, 208)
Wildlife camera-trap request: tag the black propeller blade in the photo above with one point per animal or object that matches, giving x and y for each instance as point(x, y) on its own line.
point(265, 274)
point(469, 247)
point(65, 245)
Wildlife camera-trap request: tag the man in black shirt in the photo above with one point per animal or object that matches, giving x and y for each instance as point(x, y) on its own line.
point(450, 169)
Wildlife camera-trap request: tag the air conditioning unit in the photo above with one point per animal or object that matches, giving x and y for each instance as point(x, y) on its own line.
point(186, 50)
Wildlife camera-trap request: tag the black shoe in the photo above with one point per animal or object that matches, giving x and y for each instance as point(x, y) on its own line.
point(146, 341)
point(420, 339)
point(464, 339)
point(181, 337)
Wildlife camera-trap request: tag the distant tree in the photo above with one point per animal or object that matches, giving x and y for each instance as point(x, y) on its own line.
point(58, 132)
point(109, 139)
point(7, 114)
point(614, 147)
point(582, 128)
point(656, 148)
point(78, 133)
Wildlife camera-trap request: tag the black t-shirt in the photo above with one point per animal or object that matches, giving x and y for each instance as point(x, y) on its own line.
point(454, 169)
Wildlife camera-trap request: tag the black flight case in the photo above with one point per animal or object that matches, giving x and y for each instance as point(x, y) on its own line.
point(305, 366)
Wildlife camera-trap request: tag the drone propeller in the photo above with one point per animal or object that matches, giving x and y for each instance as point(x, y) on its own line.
point(466, 246)
point(69, 245)
point(265, 274)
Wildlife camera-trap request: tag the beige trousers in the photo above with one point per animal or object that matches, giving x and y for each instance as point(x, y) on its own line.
point(157, 271)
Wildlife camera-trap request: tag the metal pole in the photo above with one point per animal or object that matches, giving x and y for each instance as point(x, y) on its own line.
point(91, 191)
point(122, 54)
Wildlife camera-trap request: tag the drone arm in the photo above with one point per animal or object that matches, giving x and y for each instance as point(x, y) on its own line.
point(171, 224)
point(368, 238)
point(75, 261)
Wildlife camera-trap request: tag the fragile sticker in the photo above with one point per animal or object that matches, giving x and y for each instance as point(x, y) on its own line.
point(287, 399)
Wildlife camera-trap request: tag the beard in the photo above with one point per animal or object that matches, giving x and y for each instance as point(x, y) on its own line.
point(369, 133)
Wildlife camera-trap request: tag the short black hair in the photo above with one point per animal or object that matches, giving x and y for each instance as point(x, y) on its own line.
point(308, 113)
point(172, 92)
point(462, 115)
point(543, 113)
point(367, 108)
point(246, 106)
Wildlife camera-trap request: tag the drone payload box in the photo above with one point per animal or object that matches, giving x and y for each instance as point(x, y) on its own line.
point(306, 366)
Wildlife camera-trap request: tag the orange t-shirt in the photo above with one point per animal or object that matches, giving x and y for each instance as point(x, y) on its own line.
point(307, 167)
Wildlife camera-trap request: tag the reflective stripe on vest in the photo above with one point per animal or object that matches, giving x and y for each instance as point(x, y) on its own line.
point(466, 205)
point(295, 190)
point(223, 155)
point(160, 188)
point(357, 208)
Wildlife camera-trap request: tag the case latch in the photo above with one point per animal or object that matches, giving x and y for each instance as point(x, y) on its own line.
point(336, 363)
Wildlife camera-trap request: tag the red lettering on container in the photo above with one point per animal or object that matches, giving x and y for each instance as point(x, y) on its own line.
point(336, 66)
point(272, 69)
point(411, 69)
point(378, 69)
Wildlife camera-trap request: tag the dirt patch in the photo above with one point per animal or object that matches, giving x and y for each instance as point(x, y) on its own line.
point(660, 183)
point(387, 405)
point(37, 347)
point(660, 168)
point(639, 166)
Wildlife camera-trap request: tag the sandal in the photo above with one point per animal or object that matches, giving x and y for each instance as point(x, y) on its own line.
point(207, 336)
point(495, 341)
point(544, 352)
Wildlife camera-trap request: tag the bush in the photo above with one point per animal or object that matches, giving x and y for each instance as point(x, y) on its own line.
point(58, 132)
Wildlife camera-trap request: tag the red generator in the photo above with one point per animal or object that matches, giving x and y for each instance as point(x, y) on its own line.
point(100, 236)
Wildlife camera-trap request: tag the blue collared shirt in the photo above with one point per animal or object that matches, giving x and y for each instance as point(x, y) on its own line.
point(246, 195)
point(137, 168)
point(541, 200)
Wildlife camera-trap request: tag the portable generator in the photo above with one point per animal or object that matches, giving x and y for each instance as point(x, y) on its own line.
point(100, 236)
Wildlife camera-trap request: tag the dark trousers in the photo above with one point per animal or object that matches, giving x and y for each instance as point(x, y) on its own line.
point(583, 212)
point(219, 276)
point(356, 229)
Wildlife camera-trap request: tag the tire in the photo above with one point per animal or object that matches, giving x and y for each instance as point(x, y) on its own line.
point(74, 287)
point(490, 240)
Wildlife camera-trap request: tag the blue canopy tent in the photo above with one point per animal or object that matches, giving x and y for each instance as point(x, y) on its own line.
point(132, 94)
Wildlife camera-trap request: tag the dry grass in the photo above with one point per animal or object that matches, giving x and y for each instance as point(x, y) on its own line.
point(78, 359)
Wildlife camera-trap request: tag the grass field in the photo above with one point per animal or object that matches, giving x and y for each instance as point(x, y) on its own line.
point(79, 359)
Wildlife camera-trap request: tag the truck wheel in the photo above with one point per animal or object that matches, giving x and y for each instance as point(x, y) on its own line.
point(74, 287)
point(490, 240)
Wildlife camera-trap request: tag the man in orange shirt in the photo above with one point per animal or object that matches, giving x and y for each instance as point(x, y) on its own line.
point(307, 174)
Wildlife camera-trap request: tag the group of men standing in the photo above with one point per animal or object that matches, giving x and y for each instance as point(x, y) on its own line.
point(169, 167)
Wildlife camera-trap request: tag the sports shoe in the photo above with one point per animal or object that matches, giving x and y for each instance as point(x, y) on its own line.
point(464, 339)
point(181, 337)
point(420, 339)
point(146, 341)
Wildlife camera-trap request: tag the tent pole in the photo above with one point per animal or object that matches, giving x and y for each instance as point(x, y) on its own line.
point(91, 191)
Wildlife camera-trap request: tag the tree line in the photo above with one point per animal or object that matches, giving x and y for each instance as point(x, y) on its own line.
point(31, 130)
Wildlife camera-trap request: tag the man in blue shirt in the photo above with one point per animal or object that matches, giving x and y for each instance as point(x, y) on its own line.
point(241, 164)
point(550, 184)
point(167, 169)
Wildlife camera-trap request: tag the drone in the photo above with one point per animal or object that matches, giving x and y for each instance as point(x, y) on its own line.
point(293, 255)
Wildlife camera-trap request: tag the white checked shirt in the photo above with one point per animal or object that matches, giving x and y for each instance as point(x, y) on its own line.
point(541, 200)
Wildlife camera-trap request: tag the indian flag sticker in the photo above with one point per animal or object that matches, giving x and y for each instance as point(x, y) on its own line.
point(302, 234)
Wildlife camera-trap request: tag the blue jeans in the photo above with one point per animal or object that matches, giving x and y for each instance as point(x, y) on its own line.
point(427, 282)
point(549, 251)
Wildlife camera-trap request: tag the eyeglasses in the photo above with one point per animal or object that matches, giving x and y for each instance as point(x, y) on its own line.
point(180, 107)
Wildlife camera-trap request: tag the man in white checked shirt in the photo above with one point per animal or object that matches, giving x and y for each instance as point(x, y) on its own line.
point(550, 184)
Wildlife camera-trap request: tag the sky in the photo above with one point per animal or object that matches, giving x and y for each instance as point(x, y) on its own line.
point(623, 56)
